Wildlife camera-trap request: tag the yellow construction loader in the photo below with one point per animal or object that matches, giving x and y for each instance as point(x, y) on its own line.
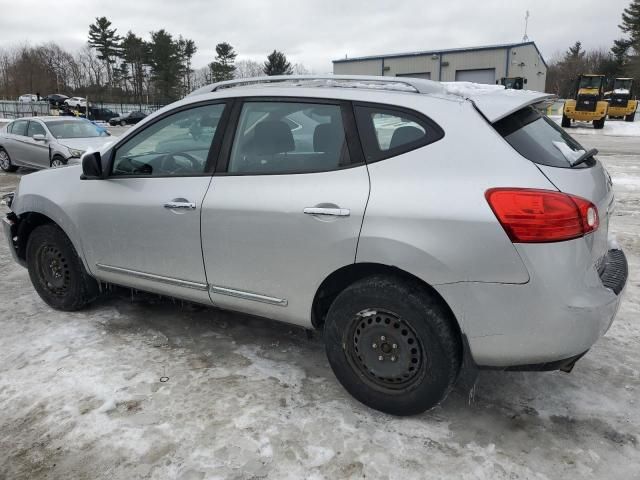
point(589, 104)
point(621, 101)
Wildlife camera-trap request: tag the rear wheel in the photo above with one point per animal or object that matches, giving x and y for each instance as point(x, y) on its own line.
point(599, 124)
point(631, 117)
point(56, 271)
point(123, 123)
point(5, 162)
point(566, 121)
point(392, 345)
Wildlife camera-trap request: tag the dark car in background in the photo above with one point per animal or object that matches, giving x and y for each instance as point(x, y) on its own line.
point(129, 118)
point(56, 99)
point(102, 114)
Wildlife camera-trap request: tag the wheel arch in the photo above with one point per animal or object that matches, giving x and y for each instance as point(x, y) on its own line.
point(340, 279)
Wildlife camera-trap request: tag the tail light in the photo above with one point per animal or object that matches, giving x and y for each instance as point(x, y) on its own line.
point(538, 216)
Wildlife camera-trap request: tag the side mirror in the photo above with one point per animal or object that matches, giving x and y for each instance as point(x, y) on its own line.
point(91, 166)
point(38, 137)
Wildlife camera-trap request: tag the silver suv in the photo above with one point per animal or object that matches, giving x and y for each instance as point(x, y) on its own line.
point(421, 226)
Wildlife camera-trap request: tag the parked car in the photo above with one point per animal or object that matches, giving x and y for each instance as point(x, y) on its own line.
point(28, 97)
point(45, 142)
point(102, 114)
point(421, 227)
point(76, 102)
point(56, 99)
point(129, 118)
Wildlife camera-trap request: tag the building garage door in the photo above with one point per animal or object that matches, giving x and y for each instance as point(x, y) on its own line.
point(485, 75)
point(426, 75)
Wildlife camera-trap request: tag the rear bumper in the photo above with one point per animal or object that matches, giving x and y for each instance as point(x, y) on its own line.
point(599, 112)
point(631, 107)
point(549, 321)
point(10, 228)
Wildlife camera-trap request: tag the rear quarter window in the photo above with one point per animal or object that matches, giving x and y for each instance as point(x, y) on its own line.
point(388, 131)
point(539, 139)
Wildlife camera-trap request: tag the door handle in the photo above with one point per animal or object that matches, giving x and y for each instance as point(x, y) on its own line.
point(180, 205)
point(335, 212)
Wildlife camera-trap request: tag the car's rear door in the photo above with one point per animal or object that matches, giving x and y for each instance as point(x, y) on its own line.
point(16, 146)
point(141, 225)
point(285, 206)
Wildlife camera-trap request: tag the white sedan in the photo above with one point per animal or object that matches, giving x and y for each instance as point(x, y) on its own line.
point(76, 102)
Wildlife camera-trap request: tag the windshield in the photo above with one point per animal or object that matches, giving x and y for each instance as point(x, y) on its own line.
point(619, 84)
point(74, 129)
point(590, 82)
point(540, 139)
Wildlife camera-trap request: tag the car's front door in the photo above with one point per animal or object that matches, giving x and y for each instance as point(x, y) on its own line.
point(141, 225)
point(285, 206)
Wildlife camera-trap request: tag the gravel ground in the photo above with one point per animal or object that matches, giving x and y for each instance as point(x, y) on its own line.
point(141, 387)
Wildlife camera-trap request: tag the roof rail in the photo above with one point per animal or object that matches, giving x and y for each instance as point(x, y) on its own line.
point(403, 84)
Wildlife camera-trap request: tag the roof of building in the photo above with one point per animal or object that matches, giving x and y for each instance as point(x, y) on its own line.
point(439, 52)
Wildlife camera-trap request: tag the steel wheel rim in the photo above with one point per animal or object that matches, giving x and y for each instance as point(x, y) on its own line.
point(57, 163)
point(4, 160)
point(383, 349)
point(53, 270)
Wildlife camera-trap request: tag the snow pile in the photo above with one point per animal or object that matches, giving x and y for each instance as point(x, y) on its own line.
point(570, 154)
point(622, 91)
point(469, 89)
point(614, 128)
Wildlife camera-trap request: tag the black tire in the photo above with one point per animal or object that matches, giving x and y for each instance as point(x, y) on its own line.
point(630, 118)
point(400, 322)
point(123, 123)
point(56, 271)
point(5, 162)
point(599, 124)
point(566, 121)
point(62, 161)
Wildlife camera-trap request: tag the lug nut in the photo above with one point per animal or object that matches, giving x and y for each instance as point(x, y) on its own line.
point(375, 345)
point(394, 346)
point(380, 358)
point(383, 338)
point(393, 359)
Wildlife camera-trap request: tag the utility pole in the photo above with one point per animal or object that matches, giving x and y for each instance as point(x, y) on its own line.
point(525, 37)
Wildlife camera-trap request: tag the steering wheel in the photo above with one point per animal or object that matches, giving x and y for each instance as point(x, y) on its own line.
point(170, 163)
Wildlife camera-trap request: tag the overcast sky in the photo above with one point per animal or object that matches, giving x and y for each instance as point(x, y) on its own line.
point(315, 32)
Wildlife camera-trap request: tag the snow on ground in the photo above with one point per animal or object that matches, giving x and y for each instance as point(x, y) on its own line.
point(141, 387)
point(618, 128)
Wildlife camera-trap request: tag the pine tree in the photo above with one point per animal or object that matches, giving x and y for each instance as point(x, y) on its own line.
point(165, 65)
point(223, 67)
point(631, 23)
point(135, 52)
point(106, 43)
point(277, 64)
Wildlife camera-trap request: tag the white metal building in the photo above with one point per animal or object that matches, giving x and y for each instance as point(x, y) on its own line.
point(488, 64)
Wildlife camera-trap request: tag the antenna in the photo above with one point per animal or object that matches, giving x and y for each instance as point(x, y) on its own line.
point(525, 37)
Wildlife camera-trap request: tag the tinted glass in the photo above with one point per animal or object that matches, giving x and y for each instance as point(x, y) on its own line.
point(35, 128)
point(19, 127)
point(287, 137)
point(74, 129)
point(393, 131)
point(540, 139)
point(387, 132)
point(176, 145)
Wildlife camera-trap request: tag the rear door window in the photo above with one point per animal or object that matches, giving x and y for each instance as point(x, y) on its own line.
point(288, 137)
point(540, 139)
point(387, 131)
point(19, 127)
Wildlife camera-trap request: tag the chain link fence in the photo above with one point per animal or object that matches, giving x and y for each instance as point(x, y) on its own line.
point(13, 109)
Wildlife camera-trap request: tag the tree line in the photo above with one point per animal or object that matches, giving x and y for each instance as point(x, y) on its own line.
point(621, 60)
point(125, 68)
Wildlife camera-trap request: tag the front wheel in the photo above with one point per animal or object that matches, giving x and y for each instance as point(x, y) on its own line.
point(123, 123)
point(5, 162)
point(56, 271)
point(566, 121)
point(599, 124)
point(58, 162)
point(630, 118)
point(392, 345)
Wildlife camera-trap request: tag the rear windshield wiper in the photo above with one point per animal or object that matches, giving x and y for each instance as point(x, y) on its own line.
point(584, 157)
